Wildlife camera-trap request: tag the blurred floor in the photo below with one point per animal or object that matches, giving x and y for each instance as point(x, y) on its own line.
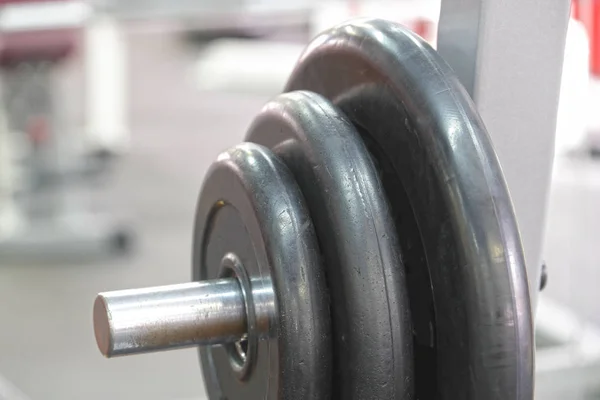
point(47, 347)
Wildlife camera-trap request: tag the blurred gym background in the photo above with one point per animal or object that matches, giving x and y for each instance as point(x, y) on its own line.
point(111, 113)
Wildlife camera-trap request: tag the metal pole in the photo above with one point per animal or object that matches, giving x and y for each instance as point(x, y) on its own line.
point(10, 213)
point(166, 317)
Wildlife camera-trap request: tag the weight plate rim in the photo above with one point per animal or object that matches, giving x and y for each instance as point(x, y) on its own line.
point(373, 350)
point(303, 349)
point(439, 116)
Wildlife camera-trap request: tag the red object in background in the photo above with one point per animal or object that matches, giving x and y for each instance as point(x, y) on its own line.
point(43, 45)
point(37, 44)
point(424, 28)
point(5, 2)
point(37, 129)
point(588, 12)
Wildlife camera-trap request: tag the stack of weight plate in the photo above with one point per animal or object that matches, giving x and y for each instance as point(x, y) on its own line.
point(360, 244)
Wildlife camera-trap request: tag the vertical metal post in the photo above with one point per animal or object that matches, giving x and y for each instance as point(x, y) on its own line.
point(105, 63)
point(10, 217)
point(509, 55)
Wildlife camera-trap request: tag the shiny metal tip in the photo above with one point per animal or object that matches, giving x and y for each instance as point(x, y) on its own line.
point(102, 329)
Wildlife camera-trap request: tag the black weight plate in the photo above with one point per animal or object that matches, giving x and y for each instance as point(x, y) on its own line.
point(465, 268)
point(251, 214)
point(372, 335)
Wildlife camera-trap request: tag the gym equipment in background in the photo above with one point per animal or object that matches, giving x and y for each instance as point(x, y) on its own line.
point(46, 198)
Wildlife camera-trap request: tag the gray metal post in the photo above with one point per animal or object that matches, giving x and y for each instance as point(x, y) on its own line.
point(509, 56)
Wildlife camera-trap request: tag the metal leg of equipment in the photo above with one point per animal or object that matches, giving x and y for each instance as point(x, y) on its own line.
point(509, 56)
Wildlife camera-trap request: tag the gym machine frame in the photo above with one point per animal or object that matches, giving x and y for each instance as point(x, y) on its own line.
point(509, 56)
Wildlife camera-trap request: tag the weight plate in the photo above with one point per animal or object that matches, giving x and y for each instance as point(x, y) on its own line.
point(465, 268)
point(251, 221)
point(372, 334)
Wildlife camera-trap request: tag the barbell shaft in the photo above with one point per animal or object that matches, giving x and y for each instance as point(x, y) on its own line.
point(165, 317)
